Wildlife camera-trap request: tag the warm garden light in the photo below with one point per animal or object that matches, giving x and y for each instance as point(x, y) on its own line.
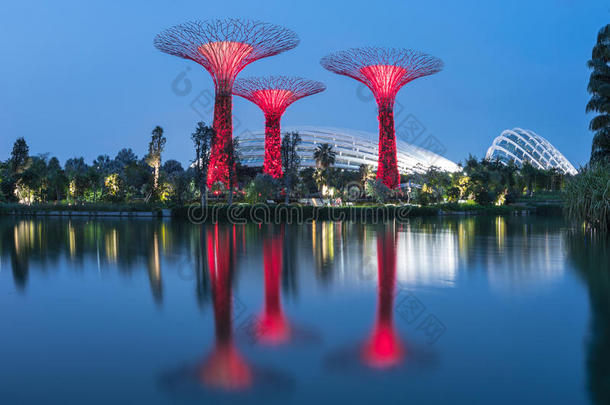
point(273, 95)
point(224, 48)
point(385, 71)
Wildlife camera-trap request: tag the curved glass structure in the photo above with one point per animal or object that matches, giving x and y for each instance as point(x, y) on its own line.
point(353, 149)
point(519, 144)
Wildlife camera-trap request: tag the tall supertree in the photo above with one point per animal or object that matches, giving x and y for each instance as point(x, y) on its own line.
point(384, 71)
point(224, 48)
point(273, 95)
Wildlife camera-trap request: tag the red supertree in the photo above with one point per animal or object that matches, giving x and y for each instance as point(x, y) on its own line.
point(224, 48)
point(384, 71)
point(273, 95)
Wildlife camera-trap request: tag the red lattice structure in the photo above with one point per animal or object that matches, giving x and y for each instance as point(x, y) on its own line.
point(384, 71)
point(273, 95)
point(224, 48)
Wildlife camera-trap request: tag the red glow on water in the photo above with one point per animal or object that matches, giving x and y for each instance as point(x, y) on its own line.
point(384, 348)
point(274, 328)
point(224, 368)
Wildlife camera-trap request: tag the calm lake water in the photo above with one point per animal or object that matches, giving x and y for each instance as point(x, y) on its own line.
point(478, 310)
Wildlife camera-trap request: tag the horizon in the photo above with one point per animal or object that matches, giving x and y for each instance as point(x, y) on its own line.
point(116, 91)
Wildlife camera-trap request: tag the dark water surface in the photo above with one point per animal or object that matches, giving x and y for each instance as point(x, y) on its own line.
point(485, 310)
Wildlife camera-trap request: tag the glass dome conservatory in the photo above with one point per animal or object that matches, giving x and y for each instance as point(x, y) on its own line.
point(520, 144)
point(353, 149)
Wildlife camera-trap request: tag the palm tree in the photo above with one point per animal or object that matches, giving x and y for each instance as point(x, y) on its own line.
point(599, 87)
point(365, 172)
point(324, 156)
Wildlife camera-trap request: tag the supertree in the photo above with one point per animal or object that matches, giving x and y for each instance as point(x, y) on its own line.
point(384, 71)
point(273, 95)
point(224, 48)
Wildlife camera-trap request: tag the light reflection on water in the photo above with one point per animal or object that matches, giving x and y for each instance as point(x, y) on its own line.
point(285, 311)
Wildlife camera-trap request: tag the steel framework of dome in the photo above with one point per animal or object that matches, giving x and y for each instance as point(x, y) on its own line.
point(519, 145)
point(353, 149)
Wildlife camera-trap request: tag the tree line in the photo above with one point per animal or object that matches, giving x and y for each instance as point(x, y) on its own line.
point(127, 178)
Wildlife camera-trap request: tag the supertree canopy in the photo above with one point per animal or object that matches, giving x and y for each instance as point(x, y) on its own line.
point(273, 95)
point(224, 48)
point(384, 71)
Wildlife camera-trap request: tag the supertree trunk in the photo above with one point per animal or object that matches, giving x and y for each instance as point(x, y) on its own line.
point(223, 125)
point(273, 143)
point(387, 170)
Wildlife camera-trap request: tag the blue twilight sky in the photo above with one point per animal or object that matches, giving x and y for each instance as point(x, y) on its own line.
point(83, 78)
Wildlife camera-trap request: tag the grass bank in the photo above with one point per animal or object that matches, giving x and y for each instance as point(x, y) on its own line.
point(277, 213)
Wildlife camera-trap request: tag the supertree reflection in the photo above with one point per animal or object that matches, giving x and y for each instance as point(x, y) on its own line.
point(224, 368)
point(384, 349)
point(273, 327)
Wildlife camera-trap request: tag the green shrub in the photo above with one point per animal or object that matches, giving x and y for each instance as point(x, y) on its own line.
point(453, 194)
point(588, 196)
point(262, 188)
point(378, 191)
point(483, 197)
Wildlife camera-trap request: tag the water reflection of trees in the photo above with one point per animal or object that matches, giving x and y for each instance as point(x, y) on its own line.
point(513, 250)
point(124, 245)
point(429, 251)
point(590, 255)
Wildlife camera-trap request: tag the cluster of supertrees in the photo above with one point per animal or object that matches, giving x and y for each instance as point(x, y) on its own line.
point(225, 47)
